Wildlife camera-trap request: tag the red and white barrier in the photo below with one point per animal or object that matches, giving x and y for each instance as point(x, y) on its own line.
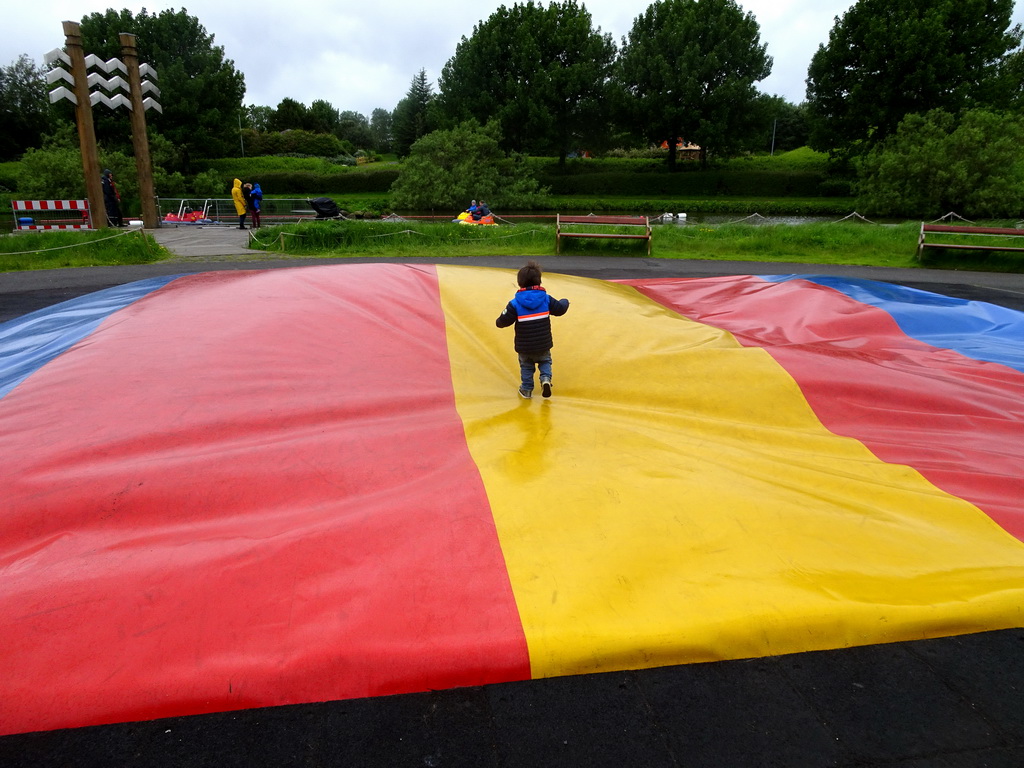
point(82, 221)
point(50, 205)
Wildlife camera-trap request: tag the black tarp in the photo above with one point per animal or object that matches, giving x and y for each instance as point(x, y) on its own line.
point(325, 208)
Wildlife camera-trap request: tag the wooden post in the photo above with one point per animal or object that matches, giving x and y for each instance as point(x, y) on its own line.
point(86, 130)
point(140, 139)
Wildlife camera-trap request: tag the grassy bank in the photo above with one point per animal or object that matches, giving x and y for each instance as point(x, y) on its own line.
point(853, 243)
point(850, 243)
point(53, 250)
point(833, 243)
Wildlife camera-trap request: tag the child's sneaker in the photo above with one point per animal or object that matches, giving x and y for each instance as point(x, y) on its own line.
point(545, 387)
point(525, 393)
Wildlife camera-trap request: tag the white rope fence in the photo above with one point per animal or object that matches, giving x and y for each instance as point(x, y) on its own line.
point(403, 232)
point(854, 215)
point(282, 235)
point(755, 218)
point(751, 217)
point(950, 217)
point(62, 247)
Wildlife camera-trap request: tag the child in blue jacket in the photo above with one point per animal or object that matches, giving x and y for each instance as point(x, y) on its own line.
point(530, 310)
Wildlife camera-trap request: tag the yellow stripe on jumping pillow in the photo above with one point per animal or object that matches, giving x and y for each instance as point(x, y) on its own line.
point(677, 501)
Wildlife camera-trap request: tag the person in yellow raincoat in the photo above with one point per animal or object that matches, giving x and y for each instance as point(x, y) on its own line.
point(239, 200)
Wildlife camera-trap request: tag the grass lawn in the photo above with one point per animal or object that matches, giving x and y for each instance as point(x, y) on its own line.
point(53, 250)
point(833, 243)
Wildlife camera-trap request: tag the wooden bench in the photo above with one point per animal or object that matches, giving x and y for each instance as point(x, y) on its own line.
point(605, 221)
point(947, 229)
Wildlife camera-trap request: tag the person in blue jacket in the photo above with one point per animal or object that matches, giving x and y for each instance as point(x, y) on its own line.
point(254, 204)
point(530, 311)
point(480, 211)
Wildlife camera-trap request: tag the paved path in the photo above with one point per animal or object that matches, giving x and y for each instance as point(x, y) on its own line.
point(938, 703)
point(192, 241)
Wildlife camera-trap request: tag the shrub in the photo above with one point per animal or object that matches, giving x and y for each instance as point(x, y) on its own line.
point(446, 169)
point(8, 177)
point(305, 143)
point(938, 162)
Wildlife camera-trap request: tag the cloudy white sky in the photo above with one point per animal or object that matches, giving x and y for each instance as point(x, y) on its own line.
point(360, 56)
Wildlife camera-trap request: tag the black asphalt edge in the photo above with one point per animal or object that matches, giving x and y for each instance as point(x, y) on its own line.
point(952, 701)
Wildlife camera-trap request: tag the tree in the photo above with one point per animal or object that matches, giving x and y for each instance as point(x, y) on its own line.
point(54, 170)
point(886, 59)
point(380, 128)
point(257, 117)
point(322, 117)
point(1008, 85)
point(938, 162)
point(688, 70)
point(542, 73)
point(25, 113)
point(412, 117)
point(783, 125)
point(290, 115)
point(200, 90)
point(354, 128)
point(448, 168)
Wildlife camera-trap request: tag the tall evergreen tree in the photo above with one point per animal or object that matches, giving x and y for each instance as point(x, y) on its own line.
point(688, 70)
point(411, 118)
point(886, 59)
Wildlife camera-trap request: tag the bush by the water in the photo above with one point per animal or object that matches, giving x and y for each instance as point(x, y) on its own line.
point(970, 163)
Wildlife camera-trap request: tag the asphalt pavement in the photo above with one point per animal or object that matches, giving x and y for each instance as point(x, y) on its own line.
point(953, 702)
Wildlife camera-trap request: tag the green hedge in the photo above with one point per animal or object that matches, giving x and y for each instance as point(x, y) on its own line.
point(713, 183)
point(743, 206)
point(341, 183)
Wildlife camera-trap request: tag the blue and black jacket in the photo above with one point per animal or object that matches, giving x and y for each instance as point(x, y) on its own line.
point(531, 311)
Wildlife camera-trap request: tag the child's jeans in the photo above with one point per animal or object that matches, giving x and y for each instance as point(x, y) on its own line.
point(527, 360)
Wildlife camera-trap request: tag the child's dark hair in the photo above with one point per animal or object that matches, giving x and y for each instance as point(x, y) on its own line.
point(529, 275)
